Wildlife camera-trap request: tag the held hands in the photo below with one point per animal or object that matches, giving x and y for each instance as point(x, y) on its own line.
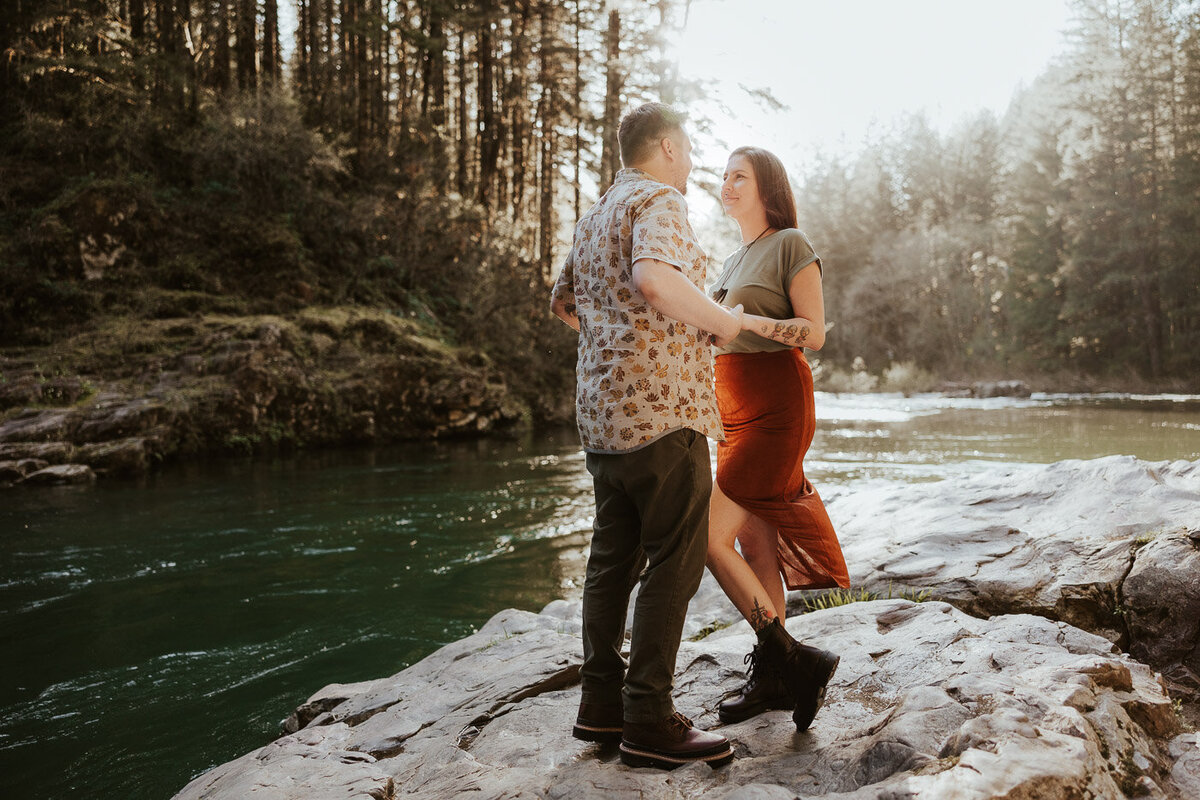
point(731, 330)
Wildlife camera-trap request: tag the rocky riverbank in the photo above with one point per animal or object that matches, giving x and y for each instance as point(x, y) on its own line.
point(119, 399)
point(1009, 682)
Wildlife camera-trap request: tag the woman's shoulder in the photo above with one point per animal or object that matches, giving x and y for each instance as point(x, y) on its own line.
point(794, 239)
point(795, 253)
point(792, 245)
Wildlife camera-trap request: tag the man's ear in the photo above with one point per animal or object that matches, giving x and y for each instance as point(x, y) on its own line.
point(668, 147)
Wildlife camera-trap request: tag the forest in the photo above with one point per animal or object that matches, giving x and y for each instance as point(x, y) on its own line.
point(163, 158)
point(1063, 237)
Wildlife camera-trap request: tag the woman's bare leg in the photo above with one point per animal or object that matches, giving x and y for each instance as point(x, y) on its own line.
point(760, 549)
point(740, 581)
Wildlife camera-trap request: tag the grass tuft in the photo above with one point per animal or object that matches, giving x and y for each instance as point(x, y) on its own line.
point(844, 597)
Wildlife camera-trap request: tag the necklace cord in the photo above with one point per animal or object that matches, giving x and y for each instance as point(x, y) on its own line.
point(720, 293)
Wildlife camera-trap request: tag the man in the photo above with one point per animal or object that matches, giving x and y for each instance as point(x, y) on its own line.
point(632, 286)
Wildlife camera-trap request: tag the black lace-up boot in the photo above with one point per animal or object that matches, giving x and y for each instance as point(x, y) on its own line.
point(764, 690)
point(784, 674)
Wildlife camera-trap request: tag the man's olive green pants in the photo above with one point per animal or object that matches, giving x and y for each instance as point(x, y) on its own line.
point(651, 512)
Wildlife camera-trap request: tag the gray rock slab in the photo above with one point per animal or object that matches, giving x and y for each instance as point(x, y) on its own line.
point(129, 456)
point(1101, 544)
point(38, 426)
point(1185, 773)
point(929, 702)
point(114, 417)
point(62, 473)
point(50, 452)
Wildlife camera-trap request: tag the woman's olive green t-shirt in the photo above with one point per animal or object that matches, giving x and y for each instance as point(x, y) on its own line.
point(760, 281)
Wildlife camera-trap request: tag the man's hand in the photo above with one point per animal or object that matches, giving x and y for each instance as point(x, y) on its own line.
point(731, 331)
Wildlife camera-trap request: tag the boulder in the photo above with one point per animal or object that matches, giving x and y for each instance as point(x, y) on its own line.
point(51, 452)
point(1102, 544)
point(38, 426)
point(928, 702)
point(954, 389)
point(128, 456)
point(116, 416)
point(999, 389)
point(62, 473)
point(16, 471)
point(1185, 774)
point(1161, 600)
point(11, 472)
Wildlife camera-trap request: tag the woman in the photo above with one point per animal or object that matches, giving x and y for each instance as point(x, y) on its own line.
point(765, 396)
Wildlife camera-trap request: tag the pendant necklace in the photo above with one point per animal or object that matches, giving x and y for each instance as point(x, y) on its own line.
point(720, 293)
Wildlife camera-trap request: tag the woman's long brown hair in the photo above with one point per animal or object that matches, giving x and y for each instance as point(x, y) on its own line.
point(773, 187)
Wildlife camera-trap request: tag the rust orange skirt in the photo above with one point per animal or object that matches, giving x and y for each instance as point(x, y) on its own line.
point(766, 404)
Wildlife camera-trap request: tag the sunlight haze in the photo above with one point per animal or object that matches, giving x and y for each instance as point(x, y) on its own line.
point(846, 68)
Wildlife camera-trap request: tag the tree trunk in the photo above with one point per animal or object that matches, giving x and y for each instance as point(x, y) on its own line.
point(270, 45)
point(245, 49)
point(610, 160)
point(547, 124)
point(434, 93)
point(577, 112)
point(357, 78)
point(489, 141)
point(189, 51)
point(137, 19)
point(327, 93)
point(464, 141)
point(519, 104)
point(379, 104)
point(546, 191)
point(165, 67)
point(222, 77)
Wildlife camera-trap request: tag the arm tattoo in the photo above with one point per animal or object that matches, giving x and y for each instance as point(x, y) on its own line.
point(790, 334)
point(760, 617)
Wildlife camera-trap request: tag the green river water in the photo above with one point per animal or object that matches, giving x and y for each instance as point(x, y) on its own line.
point(153, 629)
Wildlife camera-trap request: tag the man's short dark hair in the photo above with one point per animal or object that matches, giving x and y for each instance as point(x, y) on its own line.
point(643, 128)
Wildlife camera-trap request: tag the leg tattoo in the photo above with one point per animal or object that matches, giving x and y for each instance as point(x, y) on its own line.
point(760, 617)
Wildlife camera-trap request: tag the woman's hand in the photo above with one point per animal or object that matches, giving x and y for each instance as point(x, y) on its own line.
point(736, 326)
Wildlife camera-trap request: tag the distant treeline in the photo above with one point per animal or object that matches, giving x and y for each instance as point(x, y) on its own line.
point(1063, 237)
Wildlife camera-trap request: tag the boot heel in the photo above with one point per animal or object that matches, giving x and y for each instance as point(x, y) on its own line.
point(639, 760)
point(823, 670)
point(826, 666)
point(602, 735)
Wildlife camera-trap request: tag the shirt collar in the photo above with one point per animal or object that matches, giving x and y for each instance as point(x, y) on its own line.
point(634, 174)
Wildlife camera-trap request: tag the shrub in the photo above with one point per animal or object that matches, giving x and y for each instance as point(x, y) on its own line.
point(840, 381)
point(906, 377)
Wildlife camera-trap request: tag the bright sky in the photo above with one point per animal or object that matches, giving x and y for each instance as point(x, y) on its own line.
point(848, 68)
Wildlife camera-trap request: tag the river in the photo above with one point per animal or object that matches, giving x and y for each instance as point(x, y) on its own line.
point(152, 629)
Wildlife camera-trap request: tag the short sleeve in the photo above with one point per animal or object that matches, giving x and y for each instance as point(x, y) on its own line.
point(796, 254)
point(661, 230)
point(565, 285)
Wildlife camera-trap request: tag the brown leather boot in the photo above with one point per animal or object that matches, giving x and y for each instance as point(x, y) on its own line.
point(599, 722)
point(764, 690)
point(672, 742)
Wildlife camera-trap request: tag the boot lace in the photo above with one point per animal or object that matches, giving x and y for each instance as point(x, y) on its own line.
point(681, 722)
point(754, 661)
